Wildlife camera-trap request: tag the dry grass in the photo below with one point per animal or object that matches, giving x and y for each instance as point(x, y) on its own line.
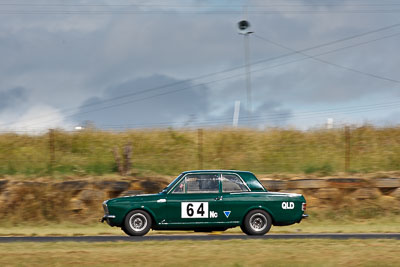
point(390, 224)
point(205, 253)
point(169, 152)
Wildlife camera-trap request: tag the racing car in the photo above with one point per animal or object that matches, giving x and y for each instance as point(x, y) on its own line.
point(205, 201)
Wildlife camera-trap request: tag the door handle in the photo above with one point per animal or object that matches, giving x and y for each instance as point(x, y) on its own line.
point(218, 198)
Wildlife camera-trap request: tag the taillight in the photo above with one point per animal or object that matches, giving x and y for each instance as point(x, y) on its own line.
point(303, 206)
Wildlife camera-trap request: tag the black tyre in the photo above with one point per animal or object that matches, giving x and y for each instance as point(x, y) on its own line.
point(257, 222)
point(243, 229)
point(124, 229)
point(137, 223)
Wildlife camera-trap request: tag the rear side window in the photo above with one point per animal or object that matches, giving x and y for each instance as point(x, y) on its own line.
point(198, 183)
point(232, 183)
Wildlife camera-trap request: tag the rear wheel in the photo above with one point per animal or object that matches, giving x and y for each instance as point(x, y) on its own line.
point(137, 223)
point(256, 222)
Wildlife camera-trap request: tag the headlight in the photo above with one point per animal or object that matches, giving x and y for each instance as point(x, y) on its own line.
point(105, 207)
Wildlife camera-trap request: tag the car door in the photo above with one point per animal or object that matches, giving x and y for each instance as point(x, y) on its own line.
point(236, 197)
point(195, 200)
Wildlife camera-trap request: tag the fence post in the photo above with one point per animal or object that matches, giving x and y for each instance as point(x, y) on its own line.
point(127, 158)
point(200, 148)
point(347, 148)
point(52, 149)
point(118, 160)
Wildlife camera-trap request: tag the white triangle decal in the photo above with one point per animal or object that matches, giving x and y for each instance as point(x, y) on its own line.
point(227, 213)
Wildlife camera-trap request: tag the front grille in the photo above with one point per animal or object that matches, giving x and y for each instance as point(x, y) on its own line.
point(105, 208)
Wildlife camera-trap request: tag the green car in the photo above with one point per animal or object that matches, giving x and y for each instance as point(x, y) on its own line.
point(205, 201)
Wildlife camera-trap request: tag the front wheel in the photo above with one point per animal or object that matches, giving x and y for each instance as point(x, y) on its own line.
point(256, 222)
point(137, 223)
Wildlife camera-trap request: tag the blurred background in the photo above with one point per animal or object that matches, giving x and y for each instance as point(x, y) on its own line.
point(100, 99)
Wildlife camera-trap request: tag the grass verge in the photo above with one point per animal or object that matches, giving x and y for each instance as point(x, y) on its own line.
point(205, 253)
point(390, 224)
point(169, 151)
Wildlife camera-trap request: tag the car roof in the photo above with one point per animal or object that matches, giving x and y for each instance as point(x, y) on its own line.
point(251, 180)
point(223, 171)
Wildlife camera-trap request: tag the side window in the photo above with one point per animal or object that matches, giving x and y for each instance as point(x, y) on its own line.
point(202, 183)
point(232, 183)
point(198, 183)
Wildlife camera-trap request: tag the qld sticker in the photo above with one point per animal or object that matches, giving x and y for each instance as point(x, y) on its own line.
point(194, 209)
point(287, 205)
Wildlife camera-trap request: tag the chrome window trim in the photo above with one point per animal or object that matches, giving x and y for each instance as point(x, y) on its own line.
point(184, 177)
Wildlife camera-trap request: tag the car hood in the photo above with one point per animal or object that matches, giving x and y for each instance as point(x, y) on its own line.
point(140, 197)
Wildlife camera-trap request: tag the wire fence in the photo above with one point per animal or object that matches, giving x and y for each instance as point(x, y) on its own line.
point(169, 151)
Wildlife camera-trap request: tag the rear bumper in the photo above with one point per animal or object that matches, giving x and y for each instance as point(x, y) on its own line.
point(303, 216)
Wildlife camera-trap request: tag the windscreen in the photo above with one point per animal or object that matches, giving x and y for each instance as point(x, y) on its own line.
point(171, 184)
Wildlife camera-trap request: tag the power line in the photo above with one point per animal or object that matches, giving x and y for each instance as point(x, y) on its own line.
point(195, 12)
point(218, 80)
point(276, 116)
point(208, 5)
point(328, 62)
point(236, 68)
point(279, 116)
point(236, 76)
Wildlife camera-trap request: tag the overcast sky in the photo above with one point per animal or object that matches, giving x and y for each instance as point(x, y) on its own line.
point(126, 63)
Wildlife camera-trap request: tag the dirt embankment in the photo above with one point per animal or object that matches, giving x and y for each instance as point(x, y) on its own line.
point(379, 194)
point(67, 200)
point(80, 200)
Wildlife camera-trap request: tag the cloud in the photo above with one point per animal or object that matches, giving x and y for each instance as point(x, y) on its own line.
point(13, 97)
point(68, 61)
point(141, 109)
point(36, 119)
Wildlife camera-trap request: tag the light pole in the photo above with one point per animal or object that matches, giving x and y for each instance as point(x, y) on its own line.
point(244, 26)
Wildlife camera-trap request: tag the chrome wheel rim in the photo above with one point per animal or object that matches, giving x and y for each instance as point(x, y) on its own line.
point(258, 222)
point(138, 222)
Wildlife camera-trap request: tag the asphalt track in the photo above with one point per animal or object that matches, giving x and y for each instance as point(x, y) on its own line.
point(203, 237)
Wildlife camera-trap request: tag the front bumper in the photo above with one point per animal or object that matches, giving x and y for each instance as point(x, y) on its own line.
point(107, 215)
point(107, 218)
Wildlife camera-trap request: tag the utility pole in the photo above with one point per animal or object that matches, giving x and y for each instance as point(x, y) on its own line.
point(244, 26)
point(248, 73)
point(236, 111)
